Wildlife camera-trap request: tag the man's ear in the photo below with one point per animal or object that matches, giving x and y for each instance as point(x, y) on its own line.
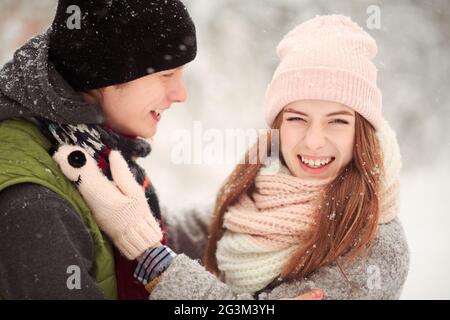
point(119, 86)
point(94, 96)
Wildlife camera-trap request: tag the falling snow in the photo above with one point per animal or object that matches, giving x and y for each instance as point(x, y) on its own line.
point(228, 82)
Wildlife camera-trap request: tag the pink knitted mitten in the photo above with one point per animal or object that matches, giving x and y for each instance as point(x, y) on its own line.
point(120, 208)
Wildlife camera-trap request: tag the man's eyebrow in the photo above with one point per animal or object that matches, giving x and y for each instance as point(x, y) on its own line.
point(345, 113)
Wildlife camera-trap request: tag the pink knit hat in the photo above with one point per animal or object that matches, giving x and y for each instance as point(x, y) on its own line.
point(326, 58)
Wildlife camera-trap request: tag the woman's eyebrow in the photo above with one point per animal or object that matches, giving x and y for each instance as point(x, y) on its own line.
point(345, 113)
point(295, 111)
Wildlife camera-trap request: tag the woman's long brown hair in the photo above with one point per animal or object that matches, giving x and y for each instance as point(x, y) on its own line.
point(347, 215)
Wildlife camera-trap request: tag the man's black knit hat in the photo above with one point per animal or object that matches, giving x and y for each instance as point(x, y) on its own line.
point(119, 40)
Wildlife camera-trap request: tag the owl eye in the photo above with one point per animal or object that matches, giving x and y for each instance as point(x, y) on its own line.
point(76, 159)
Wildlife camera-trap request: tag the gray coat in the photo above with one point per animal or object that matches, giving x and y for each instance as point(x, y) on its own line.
point(381, 277)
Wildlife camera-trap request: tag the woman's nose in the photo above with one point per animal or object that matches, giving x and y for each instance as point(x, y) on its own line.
point(315, 137)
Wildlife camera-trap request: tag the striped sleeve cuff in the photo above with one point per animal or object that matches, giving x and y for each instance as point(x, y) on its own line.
point(155, 261)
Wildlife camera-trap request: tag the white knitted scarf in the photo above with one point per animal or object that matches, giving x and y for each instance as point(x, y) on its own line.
point(262, 233)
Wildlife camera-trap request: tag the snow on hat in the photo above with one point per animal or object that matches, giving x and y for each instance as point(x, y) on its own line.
point(326, 58)
point(120, 40)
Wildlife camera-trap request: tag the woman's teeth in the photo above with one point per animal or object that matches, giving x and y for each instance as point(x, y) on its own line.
point(316, 163)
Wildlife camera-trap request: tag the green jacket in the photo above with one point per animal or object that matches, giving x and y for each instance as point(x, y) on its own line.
point(24, 158)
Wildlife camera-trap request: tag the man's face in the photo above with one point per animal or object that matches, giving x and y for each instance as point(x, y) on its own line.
point(135, 107)
point(320, 133)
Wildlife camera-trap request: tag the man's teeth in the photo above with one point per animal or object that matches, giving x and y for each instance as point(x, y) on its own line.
point(316, 163)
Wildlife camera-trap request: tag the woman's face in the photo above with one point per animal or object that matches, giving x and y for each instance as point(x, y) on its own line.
point(320, 133)
point(135, 107)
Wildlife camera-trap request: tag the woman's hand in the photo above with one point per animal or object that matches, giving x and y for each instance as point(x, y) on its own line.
point(315, 294)
point(120, 208)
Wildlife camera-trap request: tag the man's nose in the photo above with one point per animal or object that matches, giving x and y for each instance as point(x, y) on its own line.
point(177, 91)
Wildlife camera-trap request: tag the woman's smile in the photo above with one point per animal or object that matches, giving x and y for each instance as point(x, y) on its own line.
point(315, 166)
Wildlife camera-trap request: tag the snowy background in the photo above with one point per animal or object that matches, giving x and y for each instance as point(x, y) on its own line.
point(235, 62)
